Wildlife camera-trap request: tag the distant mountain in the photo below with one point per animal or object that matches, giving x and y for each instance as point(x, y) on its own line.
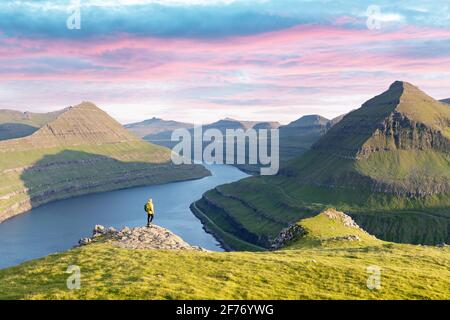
point(154, 126)
point(229, 123)
point(309, 121)
point(295, 138)
point(387, 164)
point(446, 101)
point(299, 135)
point(16, 124)
point(82, 150)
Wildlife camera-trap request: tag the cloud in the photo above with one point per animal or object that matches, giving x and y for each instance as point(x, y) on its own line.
point(210, 59)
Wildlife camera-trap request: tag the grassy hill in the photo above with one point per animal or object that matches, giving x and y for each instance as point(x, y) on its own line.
point(387, 164)
point(81, 151)
point(16, 124)
point(316, 265)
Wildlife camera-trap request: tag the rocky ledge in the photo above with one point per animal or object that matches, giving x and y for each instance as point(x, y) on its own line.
point(153, 237)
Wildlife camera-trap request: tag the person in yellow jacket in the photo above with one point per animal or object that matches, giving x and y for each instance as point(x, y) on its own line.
point(150, 211)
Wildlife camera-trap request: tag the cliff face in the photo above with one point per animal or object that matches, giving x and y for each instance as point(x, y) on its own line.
point(82, 151)
point(399, 132)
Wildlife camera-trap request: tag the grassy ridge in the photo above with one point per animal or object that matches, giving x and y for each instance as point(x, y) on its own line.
point(264, 205)
point(312, 267)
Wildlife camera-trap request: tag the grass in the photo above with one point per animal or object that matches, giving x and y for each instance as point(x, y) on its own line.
point(262, 206)
point(319, 269)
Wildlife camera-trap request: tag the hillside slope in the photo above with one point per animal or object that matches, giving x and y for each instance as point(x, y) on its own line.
point(387, 164)
point(16, 124)
point(331, 261)
point(81, 151)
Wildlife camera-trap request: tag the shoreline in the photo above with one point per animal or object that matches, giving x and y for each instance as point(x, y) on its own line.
point(87, 192)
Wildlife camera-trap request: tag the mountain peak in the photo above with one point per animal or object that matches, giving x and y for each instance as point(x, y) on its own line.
point(401, 84)
point(83, 124)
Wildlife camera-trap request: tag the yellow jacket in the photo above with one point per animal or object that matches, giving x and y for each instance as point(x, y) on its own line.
point(149, 208)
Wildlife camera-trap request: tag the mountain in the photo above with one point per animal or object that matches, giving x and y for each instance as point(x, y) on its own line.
point(386, 164)
point(314, 252)
point(309, 121)
point(83, 150)
point(299, 135)
point(229, 123)
point(295, 138)
point(16, 124)
point(163, 137)
point(446, 101)
point(155, 125)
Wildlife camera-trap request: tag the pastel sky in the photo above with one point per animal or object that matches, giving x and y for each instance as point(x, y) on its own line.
point(199, 60)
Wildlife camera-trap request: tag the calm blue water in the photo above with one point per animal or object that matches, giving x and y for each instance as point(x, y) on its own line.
point(58, 226)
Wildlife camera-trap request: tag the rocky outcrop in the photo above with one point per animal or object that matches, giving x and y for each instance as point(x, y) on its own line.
point(342, 217)
point(152, 237)
point(296, 230)
point(287, 235)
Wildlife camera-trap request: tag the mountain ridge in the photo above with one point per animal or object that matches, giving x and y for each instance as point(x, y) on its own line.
point(386, 164)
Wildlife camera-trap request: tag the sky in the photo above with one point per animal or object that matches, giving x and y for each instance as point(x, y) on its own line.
point(202, 60)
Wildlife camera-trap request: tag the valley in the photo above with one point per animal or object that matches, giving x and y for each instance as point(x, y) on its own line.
point(81, 151)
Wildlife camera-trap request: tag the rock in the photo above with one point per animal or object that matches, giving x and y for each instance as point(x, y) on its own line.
point(350, 237)
point(345, 219)
point(98, 229)
point(153, 237)
point(84, 241)
point(111, 230)
point(286, 235)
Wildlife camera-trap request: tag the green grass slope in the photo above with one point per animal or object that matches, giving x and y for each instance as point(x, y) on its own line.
point(82, 151)
point(316, 266)
point(387, 164)
point(16, 124)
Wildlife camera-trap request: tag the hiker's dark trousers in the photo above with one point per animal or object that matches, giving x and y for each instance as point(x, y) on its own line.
point(149, 219)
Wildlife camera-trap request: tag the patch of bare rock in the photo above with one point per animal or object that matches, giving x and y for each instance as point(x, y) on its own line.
point(152, 237)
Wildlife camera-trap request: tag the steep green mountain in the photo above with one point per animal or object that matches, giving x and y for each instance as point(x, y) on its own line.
point(83, 150)
point(387, 164)
point(156, 126)
point(325, 257)
point(16, 124)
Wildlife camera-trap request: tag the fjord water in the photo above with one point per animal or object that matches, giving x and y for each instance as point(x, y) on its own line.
point(58, 226)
